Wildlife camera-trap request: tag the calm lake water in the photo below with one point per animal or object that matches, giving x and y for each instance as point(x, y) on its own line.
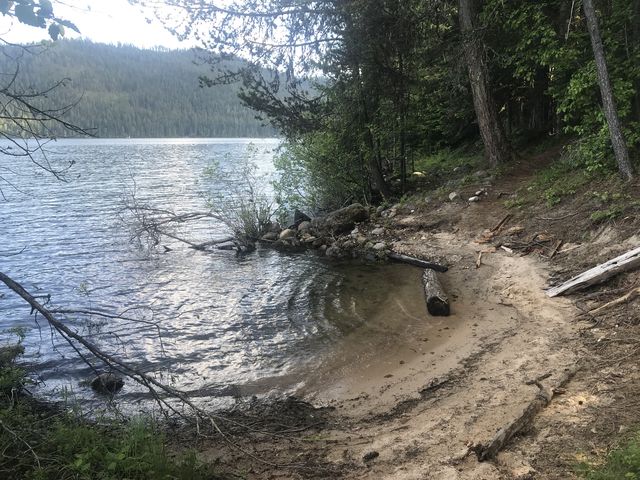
point(228, 326)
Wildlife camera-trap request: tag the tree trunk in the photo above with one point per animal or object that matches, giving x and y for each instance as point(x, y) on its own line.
point(608, 103)
point(495, 143)
point(635, 46)
point(435, 296)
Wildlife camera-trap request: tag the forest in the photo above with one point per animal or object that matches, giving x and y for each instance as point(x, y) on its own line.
point(125, 91)
point(405, 79)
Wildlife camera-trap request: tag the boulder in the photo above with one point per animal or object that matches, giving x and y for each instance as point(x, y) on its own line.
point(107, 383)
point(380, 246)
point(342, 220)
point(270, 236)
point(304, 226)
point(334, 251)
point(287, 233)
point(9, 353)
point(299, 217)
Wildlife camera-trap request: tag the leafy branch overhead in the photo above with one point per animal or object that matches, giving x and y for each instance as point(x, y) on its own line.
point(37, 14)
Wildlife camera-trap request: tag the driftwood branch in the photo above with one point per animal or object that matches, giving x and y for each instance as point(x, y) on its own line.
point(501, 223)
point(599, 273)
point(628, 297)
point(158, 390)
point(398, 257)
point(505, 434)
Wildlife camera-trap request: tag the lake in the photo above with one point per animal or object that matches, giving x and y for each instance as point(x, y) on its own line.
point(229, 326)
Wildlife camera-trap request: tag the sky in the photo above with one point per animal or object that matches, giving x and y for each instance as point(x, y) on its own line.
point(106, 21)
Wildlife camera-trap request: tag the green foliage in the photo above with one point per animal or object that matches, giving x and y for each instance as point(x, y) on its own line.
point(244, 205)
point(558, 181)
point(315, 174)
point(446, 160)
point(622, 463)
point(41, 443)
point(606, 215)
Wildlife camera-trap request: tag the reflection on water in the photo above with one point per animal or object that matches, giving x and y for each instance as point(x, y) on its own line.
point(256, 323)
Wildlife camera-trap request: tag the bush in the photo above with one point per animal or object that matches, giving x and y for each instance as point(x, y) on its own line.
point(39, 442)
point(621, 464)
point(244, 205)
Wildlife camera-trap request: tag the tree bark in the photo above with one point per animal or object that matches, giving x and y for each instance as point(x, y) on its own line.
point(599, 273)
point(435, 296)
point(608, 102)
point(418, 262)
point(495, 142)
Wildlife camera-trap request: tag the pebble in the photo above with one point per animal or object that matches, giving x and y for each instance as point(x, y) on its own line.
point(377, 231)
point(370, 455)
point(474, 199)
point(379, 246)
point(453, 196)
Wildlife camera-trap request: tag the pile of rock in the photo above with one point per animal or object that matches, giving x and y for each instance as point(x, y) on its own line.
point(338, 234)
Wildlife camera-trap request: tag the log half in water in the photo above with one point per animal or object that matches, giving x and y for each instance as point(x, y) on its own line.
point(437, 300)
point(398, 257)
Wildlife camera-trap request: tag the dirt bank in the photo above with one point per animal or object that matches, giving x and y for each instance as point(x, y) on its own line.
point(421, 411)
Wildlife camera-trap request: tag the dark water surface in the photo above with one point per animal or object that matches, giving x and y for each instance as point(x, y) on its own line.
point(229, 325)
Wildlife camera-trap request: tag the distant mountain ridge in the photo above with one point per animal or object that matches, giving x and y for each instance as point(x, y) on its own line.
point(125, 91)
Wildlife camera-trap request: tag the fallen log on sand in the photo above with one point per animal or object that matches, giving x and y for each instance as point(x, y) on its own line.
point(505, 434)
point(437, 300)
point(398, 257)
point(599, 274)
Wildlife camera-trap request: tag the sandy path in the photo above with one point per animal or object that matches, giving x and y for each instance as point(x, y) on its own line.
point(422, 415)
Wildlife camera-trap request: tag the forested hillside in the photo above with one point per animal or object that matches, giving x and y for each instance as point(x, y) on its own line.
point(123, 91)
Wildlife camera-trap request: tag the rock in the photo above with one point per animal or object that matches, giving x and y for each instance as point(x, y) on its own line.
point(270, 236)
point(334, 251)
point(288, 245)
point(287, 233)
point(308, 239)
point(380, 209)
point(367, 457)
point(318, 242)
point(349, 244)
point(479, 192)
point(304, 226)
point(299, 217)
point(377, 231)
point(480, 173)
point(475, 198)
point(342, 220)
point(275, 227)
point(107, 383)
point(9, 353)
point(361, 239)
point(380, 246)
